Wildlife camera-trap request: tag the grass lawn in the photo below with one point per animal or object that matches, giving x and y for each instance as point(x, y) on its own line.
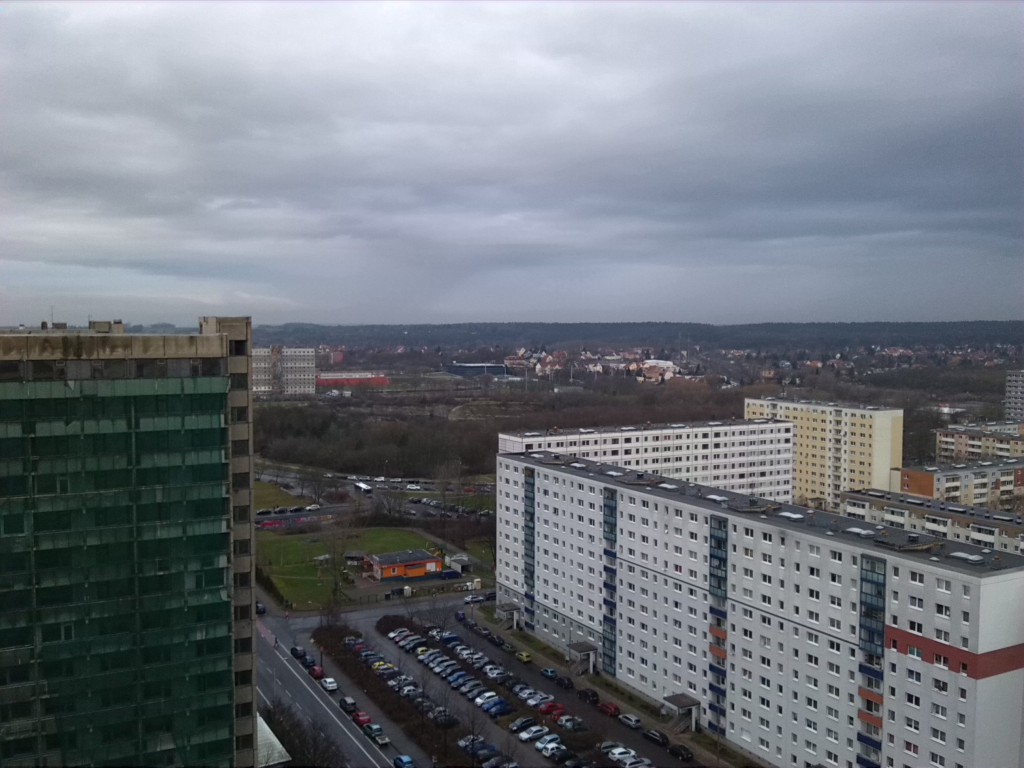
point(481, 550)
point(268, 496)
point(288, 559)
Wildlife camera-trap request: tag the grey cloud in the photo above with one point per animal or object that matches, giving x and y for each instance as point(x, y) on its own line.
point(316, 161)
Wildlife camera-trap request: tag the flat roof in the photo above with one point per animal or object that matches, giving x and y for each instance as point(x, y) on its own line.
point(965, 514)
point(405, 556)
point(627, 428)
point(971, 466)
point(826, 526)
point(824, 404)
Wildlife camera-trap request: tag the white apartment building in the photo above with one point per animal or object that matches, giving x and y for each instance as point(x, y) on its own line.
point(836, 447)
point(753, 457)
point(1014, 403)
point(980, 526)
point(803, 637)
point(283, 371)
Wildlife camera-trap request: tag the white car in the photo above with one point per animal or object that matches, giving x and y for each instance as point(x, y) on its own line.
point(621, 755)
point(546, 741)
point(485, 697)
point(312, 507)
point(413, 487)
point(329, 684)
point(533, 733)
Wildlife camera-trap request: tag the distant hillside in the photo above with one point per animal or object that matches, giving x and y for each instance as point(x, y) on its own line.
point(655, 335)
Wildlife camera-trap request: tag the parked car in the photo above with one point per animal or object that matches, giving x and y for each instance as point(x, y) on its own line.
point(376, 734)
point(298, 652)
point(658, 737)
point(544, 741)
point(621, 754)
point(403, 761)
point(329, 684)
point(588, 695)
point(361, 718)
point(524, 657)
point(307, 661)
point(549, 673)
point(679, 751)
point(347, 704)
point(533, 733)
point(521, 724)
point(607, 708)
point(469, 740)
point(316, 672)
point(473, 599)
point(565, 683)
point(630, 721)
point(260, 608)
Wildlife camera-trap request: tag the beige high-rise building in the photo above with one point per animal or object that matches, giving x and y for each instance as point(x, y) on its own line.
point(836, 446)
point(1014, 403)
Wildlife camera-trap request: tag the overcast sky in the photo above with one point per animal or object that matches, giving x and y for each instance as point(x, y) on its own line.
point(570, 161)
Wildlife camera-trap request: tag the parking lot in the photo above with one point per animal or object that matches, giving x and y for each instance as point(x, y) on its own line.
point(478, 704)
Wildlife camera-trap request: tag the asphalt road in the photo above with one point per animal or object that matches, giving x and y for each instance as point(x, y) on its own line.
point(278, 674)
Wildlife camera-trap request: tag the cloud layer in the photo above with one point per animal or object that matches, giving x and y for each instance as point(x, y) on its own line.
point(430, 162)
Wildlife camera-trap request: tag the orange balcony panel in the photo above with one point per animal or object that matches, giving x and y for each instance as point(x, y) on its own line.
point(867, 717)
point(864, 693)
point(718, 652)
point(718, 632)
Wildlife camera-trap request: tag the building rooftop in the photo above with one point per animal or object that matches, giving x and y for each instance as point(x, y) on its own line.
point(963, 513)
point(956, 556)
point(640, 427)
point(823, 404)
point(971, 466)
point(404, 557)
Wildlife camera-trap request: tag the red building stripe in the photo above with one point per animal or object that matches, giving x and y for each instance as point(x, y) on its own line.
point(977, 666)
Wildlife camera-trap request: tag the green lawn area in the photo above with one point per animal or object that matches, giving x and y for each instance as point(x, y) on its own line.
point(481, 550)
point(288, 559)
point(268, 496)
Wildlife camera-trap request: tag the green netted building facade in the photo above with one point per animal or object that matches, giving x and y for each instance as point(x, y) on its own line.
point(126, 547)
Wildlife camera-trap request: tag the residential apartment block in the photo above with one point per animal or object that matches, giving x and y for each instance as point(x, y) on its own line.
point(981, 526)
point(801, 637)
point(754, 457)
point(1014, 403)
point(976, 442)
point(836, 447)
point(283, 371)
point(998, 485)
point(126, 556)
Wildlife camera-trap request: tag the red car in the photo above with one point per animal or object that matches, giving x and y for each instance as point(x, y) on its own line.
point(549, 707)
point(612, 710)
point(361, 719)
point(317, 673)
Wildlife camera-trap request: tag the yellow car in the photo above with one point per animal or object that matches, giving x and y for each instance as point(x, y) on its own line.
point(381, 665)
point(524, 657)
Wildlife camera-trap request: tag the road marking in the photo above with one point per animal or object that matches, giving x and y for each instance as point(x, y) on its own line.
point(335, 717)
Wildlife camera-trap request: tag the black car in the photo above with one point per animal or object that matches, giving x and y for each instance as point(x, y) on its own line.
point(588, 695)
point(564, 682)
point(298, 652)
point(308, 661)
point(260, 608)
point(658, 737)
point(678, 750)
point(522, 724)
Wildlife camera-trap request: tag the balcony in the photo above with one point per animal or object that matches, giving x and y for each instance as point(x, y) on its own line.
point(874, 674)
point(867, 762)
point(610, 553)
point(720, 711)
point(716, 689)
point(719, 632)
point(716, 670)
point(610, 586)
point(863, 738)
point(720, 613)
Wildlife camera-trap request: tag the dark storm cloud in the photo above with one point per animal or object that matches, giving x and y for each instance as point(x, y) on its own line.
point(565, 161)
